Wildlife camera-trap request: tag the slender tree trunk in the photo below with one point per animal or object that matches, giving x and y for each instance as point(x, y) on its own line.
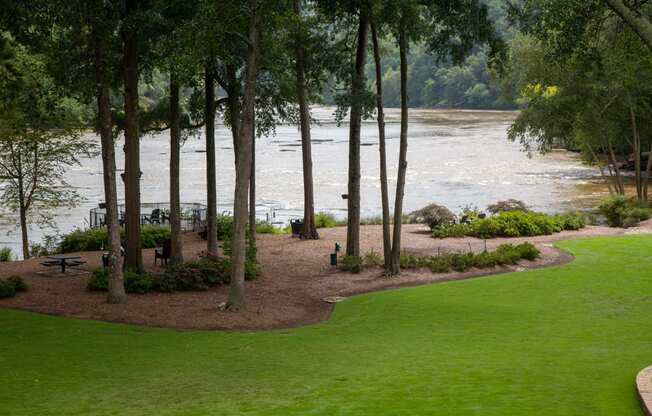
point(636, 145)
point(384, 192)
point(211, 175)
point(176, 237)
point(309, 231)
point(604, 177)
point(357, 87)
point(634, 18)
point(23, 230)
point(116, 287)
point(402, 158)
point(133, 254)
point(252, 188)
point(614, 163)
point(236, 300)
point(234, 106)
point(646, 179)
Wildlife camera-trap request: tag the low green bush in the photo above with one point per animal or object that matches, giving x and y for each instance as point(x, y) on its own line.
point(18, 282)
point(224, 227)
point(99, 280)
point(621, 211)
point(327, 220)
point(505, 254)
point(138, 283)
point(434, 216)
point(372, 259)
point(134, 282)
point(512, 224)
point(7, 289)
point(351, 264)
point(5, 254)
point(96, 239)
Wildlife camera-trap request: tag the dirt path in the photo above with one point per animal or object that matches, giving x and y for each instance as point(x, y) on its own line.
point(296, 278)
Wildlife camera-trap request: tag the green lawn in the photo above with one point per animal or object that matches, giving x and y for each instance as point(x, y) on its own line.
point(562, 341)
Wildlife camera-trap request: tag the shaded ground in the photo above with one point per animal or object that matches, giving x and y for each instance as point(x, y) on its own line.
point(562, 341)
point(296, 278)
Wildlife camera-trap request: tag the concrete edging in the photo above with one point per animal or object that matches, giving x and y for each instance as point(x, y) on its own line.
point(644, 389)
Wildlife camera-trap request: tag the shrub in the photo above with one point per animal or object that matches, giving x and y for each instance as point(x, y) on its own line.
point(440, 264)
point(410, 261)
point(327, 220)
point(507, 205)
point(571, 220)
point(99, 280)
point(165, 282)
point(7, 289)
point(623, 212)
point(18, 283)
point(461, 262)
point(528, 251)
point(5, 254)
point(512, 224)
point(372, 259)
point(434, 216)
point(224, 227)
point(507, 254)
point(351, 264)
point(268, 228)
point(137, 283)
point(96, 239)
point(614, 209)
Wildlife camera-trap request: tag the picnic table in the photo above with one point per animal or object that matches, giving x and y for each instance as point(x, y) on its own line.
point(63, 261)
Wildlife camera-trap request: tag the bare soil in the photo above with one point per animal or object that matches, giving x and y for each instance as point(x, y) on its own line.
point(296, 279)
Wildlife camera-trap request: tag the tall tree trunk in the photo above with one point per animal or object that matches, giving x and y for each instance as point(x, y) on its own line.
point(211, 179)
point(23, 230)
point(357, 87)
point(176, 237)
point(646, 179)
point(236, 300)
point(384, 192)
point(116, 287)
point(234, 106)
point(132, 173)
point(636, 145)
point(402, 157)
point(309, 230)
point(252, 189)
point(634, 18)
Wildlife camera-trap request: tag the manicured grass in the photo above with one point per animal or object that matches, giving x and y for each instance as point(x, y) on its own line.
point(562, 341)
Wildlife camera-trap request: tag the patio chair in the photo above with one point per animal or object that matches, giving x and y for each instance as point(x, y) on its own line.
point(164, 252)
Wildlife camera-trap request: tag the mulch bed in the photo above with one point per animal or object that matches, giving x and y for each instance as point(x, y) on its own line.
point(296, 279)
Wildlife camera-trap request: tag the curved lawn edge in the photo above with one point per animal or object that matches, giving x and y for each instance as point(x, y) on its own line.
point(644, 389)
point(563, 257)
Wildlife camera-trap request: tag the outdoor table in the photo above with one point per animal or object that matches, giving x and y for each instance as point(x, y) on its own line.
point(63, 260)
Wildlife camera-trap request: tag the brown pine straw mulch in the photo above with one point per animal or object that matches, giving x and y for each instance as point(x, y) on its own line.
point(296, 279)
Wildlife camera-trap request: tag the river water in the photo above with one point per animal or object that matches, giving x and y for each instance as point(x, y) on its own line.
point(455, 158)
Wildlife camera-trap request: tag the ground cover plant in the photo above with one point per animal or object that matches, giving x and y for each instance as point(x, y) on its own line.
point(556, 341)
point(504, 254)
point(10, 286)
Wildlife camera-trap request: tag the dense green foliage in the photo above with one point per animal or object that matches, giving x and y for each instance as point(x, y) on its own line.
point(191, 276)
point(12, 285)
point(94, 239)
point(504, 344)
point(5, 254)
point(621, 211)
point(513, 224)
point(504, 254)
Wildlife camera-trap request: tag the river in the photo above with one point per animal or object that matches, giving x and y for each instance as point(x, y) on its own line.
point(455, 158)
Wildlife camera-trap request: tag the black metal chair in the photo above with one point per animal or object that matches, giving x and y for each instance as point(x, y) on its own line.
point(297, 226)
point(155, 216)
point(164, 252)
